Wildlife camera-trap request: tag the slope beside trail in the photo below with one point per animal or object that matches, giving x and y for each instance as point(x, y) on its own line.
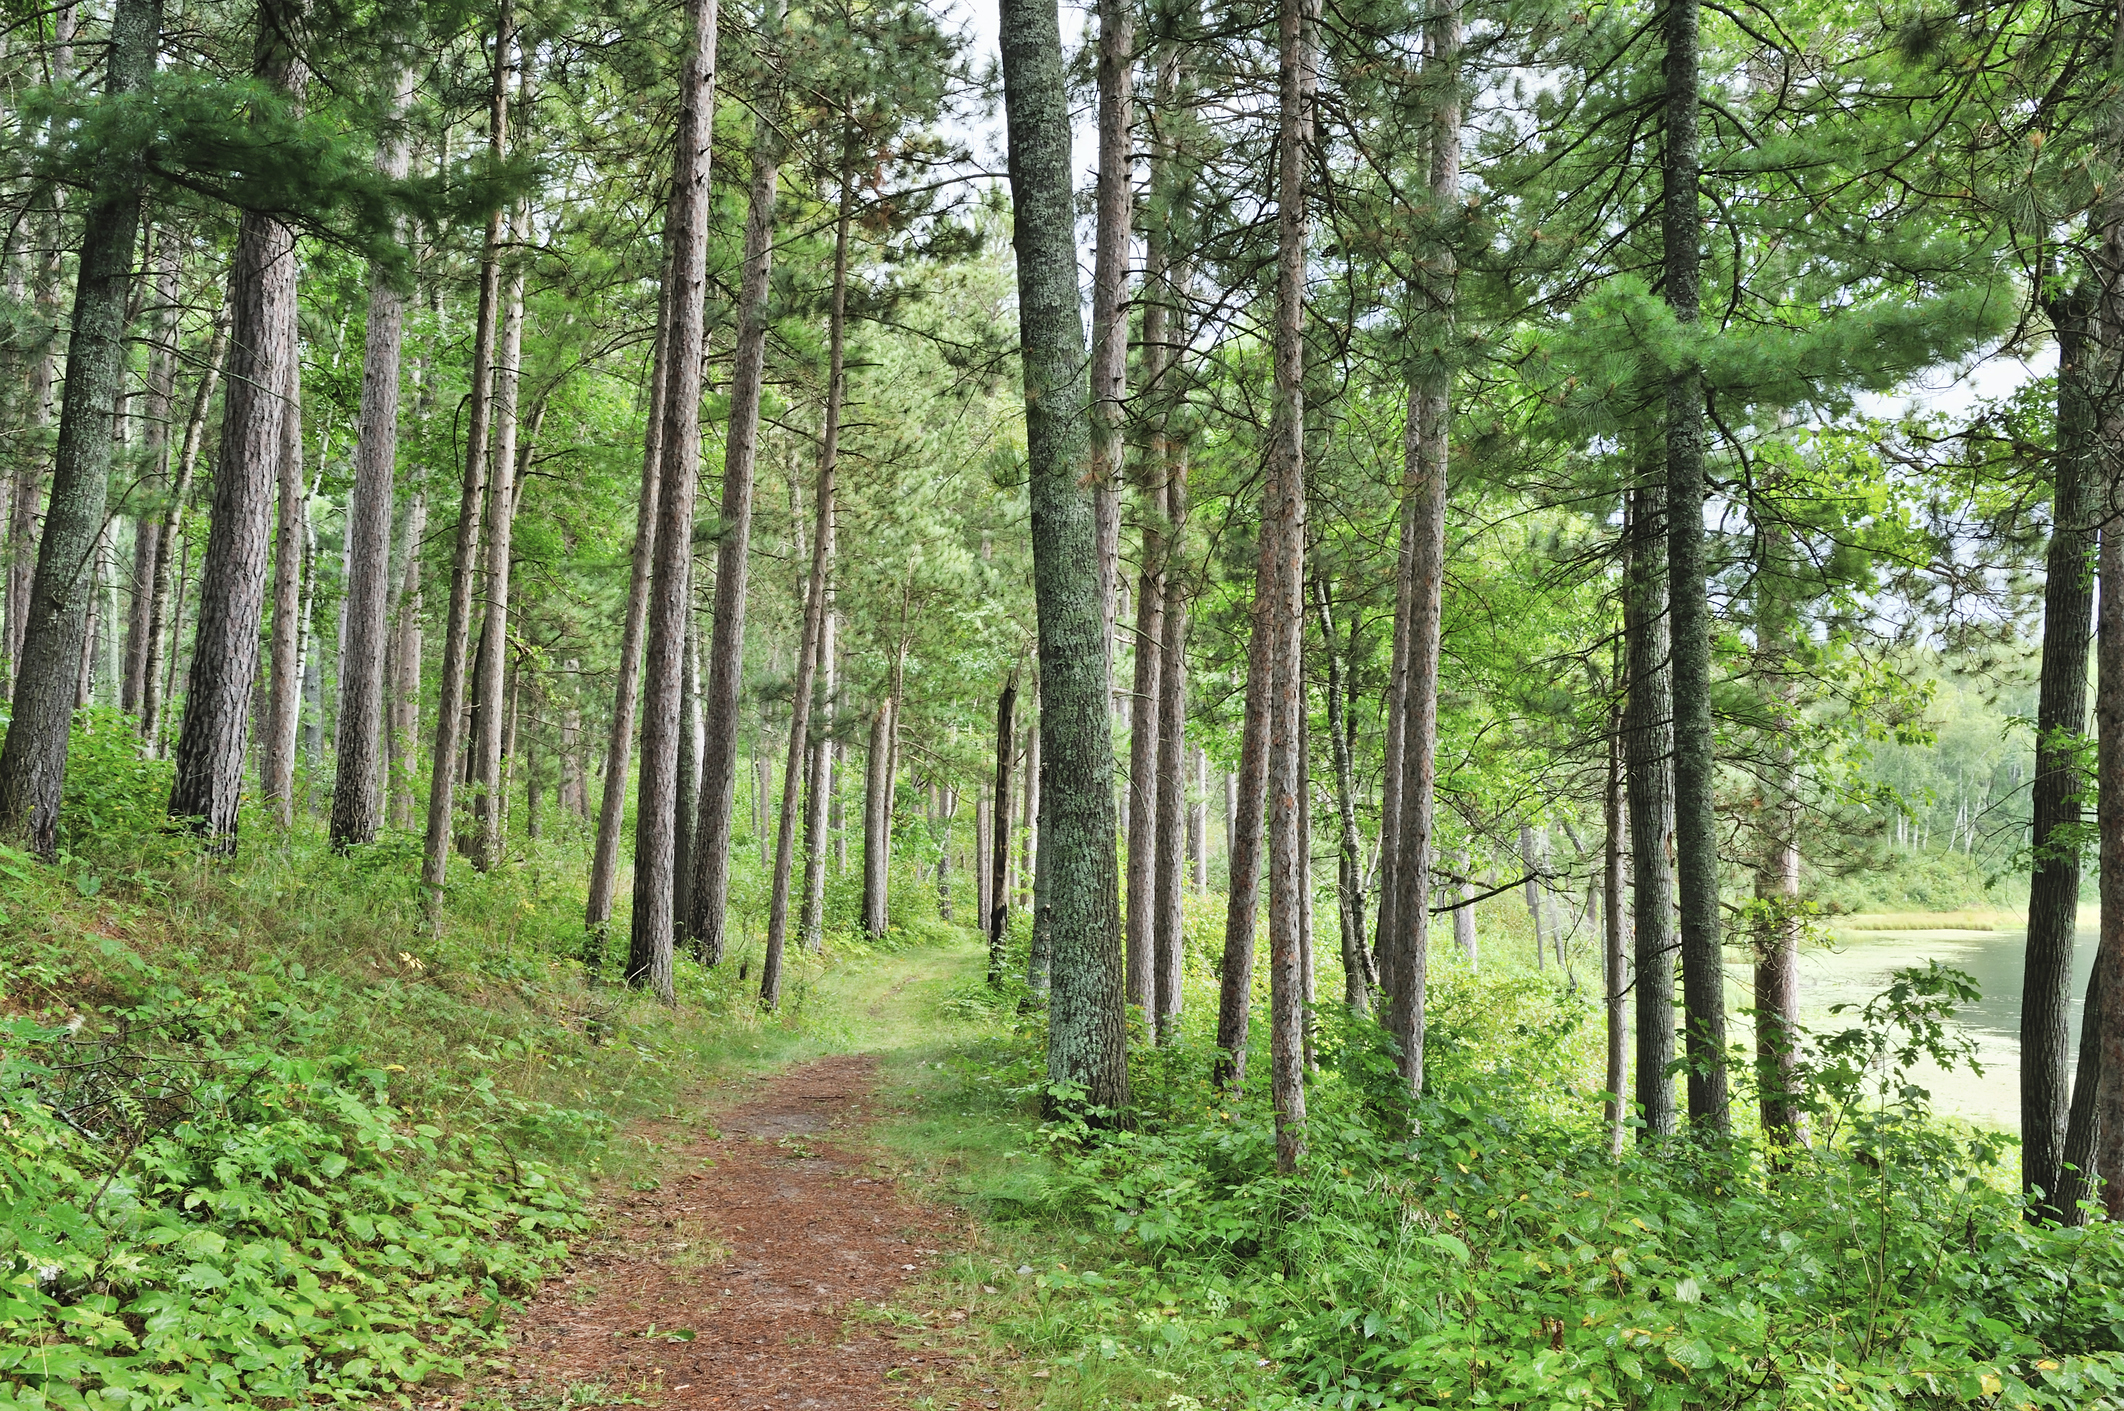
point(766, 1268)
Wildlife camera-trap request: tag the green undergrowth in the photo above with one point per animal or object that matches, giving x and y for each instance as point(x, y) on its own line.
point(267, 1136)
point(1483, 1248)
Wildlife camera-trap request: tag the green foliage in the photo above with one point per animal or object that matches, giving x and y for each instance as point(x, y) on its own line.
point(1483, 1248)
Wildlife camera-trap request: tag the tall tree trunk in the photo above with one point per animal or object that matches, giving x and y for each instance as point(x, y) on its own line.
point(1087, 1046)
point(1198, 827)
point(1616, 969)
point(679, 454)
point(2103, 1017)
point(1246, 800)
point(1356, 961)
point(33, 759)
point(162, 624)
point(160, 409)
point(356, 795)
point(471, 504)
point(2061, 711)
point(1395, 729)
point(619, 744)
point(1464, 914)
point(1406, 967)
point(1689, 607)
point(686, 802)
point(997, 920)
point(1282, 585)
point(405, 674)
point(284, 679)
point(810, 649)
point(224, 667)
point(490, 804)
point(1114, 199)
point(1169, 940)
point(1777, 873)
point(707, 922)
point(1139, 916)
point(1039, 954)
point(820, 781)
point(1648, 736)
point(877, 820)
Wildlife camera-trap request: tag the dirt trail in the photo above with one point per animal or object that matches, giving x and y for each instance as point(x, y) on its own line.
point(769, 1244)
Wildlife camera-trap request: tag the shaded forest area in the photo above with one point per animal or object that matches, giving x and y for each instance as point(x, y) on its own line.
point(1392, 565)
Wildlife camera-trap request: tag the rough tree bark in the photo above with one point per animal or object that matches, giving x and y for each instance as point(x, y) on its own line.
point(2055, 792)
point(33, 759)
point(679, 464)
point(224, 667)
point(1648, 735)
point(471, 504)
point(1087, 1053)
point(356, 793)
point(707, 923)
point(1689, 608)
point(1405, 963)
point(1281, 586)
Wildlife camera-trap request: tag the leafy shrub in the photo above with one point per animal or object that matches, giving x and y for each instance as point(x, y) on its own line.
point(1481, 1247)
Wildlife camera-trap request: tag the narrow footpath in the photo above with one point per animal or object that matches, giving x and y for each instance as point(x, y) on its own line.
point(767, 1273)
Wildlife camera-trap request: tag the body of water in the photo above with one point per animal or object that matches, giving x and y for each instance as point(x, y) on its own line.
point(1858, 966)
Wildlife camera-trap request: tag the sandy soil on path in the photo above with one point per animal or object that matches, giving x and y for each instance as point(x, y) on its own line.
point(755, 1279)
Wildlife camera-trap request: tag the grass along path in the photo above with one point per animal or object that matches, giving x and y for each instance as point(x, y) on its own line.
point(755, 1249)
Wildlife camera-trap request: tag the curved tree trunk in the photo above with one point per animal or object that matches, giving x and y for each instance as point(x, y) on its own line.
point(356, 792)
point(232, 582)
point(679, 451)
point(33, 759)
point(706, 921)
point(1087, 1048)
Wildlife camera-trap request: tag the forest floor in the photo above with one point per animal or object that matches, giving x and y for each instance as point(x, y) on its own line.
point(766, 1251)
